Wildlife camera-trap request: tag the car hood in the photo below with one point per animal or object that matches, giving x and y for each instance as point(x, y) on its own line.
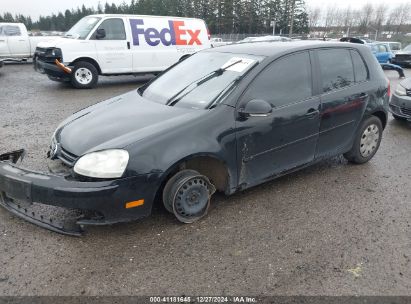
point(403, 53)
point(119, 122)
point(58, 42)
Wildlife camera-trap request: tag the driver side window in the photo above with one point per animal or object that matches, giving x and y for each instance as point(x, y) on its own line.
point(285, 81)
point(114, 29)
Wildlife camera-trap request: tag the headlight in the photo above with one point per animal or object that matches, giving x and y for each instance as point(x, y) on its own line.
point(55, 52)
point(103, 164)
point(400, 90)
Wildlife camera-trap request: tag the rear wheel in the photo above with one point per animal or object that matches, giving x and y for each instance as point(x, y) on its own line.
point(84, 75)
point(367, 141)
point(187, 194)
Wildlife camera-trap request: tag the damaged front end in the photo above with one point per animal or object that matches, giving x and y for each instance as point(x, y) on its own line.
point(62, 204)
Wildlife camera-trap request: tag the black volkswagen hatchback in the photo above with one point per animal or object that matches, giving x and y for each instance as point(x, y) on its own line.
point(224, 119)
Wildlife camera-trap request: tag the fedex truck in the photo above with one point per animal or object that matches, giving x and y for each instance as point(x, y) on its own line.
point(119, 44)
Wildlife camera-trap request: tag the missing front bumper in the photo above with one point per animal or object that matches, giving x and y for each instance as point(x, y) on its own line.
point(63, 204)
point(56, 219)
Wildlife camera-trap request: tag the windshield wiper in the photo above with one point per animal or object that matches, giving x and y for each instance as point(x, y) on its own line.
point(176, 97)
point(232, 84)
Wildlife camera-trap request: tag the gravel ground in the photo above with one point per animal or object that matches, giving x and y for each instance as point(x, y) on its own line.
point(331, 229)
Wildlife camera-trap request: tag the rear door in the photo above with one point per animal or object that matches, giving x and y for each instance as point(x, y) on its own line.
point(18, 40)
point(4, 48)
point(113, 51)
point(343, 99)
point(383, 54)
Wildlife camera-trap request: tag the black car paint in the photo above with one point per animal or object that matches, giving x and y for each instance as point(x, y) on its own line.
point(160, 139)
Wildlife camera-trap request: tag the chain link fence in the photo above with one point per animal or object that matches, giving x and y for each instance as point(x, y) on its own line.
point(238, 37)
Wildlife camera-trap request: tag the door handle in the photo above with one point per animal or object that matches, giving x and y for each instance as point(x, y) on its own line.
point(363, 95)
point(311, 113)
point(360, 97)
point(128, 44)
point(22, 40)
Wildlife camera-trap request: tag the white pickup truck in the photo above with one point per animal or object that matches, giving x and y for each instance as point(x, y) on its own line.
point(15, 43)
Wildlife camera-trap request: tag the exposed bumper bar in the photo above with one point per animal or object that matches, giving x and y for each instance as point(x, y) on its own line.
point(28, 194)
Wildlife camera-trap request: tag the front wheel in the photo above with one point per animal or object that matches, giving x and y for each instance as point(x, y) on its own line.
point(187, 194)
point(366, 142)
point(84, 75)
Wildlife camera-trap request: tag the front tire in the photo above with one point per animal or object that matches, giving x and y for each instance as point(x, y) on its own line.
point(367, 141)
point(84, 75)
point(187, 194)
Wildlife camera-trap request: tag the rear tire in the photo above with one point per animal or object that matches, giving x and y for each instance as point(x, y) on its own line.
point(366, 142)
point(84, 75)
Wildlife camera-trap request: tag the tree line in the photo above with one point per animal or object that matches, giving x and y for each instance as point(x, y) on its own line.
point(222, 16)
point(370, 18)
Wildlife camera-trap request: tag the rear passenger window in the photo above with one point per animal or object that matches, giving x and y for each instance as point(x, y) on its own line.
point(285, 81)
point(336, 69)
point(360, 69)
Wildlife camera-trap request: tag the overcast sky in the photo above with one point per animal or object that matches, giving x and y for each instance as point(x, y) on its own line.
point(34, 8)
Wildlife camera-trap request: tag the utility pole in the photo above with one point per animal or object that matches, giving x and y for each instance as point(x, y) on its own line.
point(292, 8)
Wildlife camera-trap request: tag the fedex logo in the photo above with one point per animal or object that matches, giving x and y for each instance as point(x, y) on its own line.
point(175, 34)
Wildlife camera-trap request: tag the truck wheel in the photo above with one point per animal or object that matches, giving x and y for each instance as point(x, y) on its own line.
point(367, 141)
point(187, 194)
point(84, 75)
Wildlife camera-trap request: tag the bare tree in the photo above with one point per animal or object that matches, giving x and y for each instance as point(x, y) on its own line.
point(314, 17)
point(403, 15)
point(329, 20)
point(366, 15)
point(380, 16)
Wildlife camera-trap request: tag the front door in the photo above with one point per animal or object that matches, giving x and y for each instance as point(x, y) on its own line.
point(113, 50)
point(286, 138)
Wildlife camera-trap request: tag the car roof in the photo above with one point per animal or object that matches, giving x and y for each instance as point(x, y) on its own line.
point(269, 49)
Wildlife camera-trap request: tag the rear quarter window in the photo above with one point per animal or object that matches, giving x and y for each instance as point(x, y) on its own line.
point(336, 69)
point(360, 69)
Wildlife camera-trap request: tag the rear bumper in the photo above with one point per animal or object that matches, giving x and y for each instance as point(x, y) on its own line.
point(96, 202)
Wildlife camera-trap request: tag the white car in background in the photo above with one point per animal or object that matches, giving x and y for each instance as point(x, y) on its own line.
point(119, 45)
point(215, 42)
point(15, 42)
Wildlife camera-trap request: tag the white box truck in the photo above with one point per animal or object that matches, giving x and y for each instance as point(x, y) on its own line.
point(118, 45)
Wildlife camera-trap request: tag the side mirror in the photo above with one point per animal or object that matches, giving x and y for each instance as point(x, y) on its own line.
point(256, 108)
point(100, 34)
